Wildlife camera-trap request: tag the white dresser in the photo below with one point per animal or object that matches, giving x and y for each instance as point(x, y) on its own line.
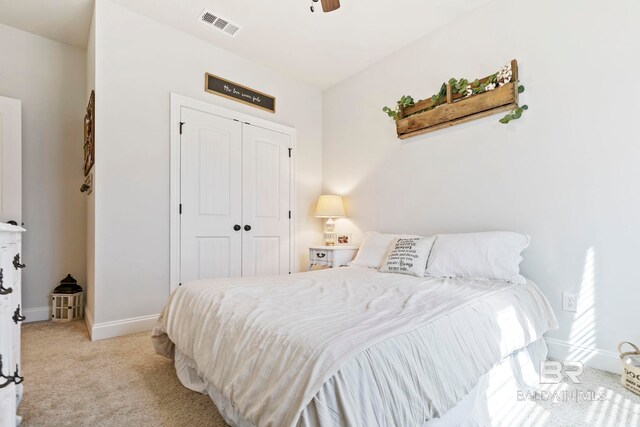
point(10, 320)
point(10, 258)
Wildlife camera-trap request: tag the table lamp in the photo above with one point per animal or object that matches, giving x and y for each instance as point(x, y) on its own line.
point(330, 207)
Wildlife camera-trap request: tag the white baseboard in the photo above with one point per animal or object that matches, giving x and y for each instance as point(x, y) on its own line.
point(592, 357)
point(88, 320)
point(100, 331)
point(37, 314)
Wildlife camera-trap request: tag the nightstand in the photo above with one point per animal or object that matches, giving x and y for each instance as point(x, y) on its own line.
point(331, 256)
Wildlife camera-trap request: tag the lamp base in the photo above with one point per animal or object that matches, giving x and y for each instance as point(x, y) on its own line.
point(330, 239)
point(330, 236)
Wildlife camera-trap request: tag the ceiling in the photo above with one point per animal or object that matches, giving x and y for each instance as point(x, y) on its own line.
point(319, 48)
point(66, 21)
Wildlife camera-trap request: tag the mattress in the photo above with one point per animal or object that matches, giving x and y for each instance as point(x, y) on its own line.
point(347, 346)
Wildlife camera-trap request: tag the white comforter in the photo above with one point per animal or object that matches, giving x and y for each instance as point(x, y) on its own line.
point(271, 346)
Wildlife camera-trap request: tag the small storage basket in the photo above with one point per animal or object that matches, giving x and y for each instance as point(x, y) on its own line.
point(630, 367)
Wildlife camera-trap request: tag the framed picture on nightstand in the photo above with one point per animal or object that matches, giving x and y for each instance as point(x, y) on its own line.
point(344, 239)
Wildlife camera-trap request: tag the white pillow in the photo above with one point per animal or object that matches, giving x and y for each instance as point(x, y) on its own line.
point(408, 256)
point(490, 255)
point(374, 249)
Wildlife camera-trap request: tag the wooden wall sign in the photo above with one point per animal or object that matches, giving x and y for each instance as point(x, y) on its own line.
point(228, 89)
point(89, 135)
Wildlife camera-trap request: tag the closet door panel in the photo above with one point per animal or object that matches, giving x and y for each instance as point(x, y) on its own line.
point(214, 257)
point(267, 256)
point(211, 165)
point(266, 181)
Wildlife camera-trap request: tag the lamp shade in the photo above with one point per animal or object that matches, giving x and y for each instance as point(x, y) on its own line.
point(330, 207)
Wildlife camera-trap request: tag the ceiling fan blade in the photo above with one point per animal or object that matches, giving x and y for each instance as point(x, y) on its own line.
point(330, 5)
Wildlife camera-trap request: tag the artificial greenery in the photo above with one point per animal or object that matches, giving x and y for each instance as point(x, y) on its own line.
point(514, 115)
point(441, 94)
point(517, 113)
point(458, 86)
point(403, 102)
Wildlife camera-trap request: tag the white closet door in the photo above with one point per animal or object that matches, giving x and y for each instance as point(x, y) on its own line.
point(265, 202)
point(10, 160)
point(211, 191)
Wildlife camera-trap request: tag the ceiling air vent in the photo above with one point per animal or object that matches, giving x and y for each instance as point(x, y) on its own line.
point(214, 21)
point(209, 18)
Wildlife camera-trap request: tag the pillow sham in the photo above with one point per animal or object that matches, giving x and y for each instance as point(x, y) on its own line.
point(408, 256)
point(489, 255)
point(374, 249)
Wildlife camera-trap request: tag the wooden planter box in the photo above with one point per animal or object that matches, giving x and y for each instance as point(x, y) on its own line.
point(456, 109)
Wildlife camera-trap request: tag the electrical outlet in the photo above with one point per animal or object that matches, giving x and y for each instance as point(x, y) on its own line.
point(569, 302)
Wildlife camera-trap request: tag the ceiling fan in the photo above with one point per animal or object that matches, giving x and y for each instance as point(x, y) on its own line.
point(327, 5)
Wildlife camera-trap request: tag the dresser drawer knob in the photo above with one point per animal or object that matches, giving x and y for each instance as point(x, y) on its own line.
point(16, 377)
point(321, 255)
point(16, 262)
point(3, 290)
point(7, 379)
point(17, 317)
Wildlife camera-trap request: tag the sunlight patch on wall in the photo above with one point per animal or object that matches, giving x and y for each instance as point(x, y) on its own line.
point(583, 327)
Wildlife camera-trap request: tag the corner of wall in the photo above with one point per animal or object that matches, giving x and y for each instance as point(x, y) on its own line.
point(90, 221)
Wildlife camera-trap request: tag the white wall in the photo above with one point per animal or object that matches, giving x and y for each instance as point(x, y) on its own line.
point(49, 78)
point(566, 173)
point(139, 63)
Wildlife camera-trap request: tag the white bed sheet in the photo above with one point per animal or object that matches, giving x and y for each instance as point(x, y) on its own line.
point(483, 406)
point(346, 346)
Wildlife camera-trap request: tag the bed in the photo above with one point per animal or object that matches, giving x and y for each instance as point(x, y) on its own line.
point(350, 346)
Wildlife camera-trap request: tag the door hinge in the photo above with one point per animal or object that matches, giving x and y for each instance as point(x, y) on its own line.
point(289, 214)
point(290, 150)
point(181, 124)
point(180, 208)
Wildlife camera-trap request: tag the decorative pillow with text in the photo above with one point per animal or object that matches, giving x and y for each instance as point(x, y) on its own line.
point(408, 256)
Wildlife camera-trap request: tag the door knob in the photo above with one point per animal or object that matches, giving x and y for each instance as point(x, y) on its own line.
point(247, 228)
point(237, 227)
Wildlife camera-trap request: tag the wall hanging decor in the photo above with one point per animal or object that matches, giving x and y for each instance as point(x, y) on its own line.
point(231, 90)
point(459, 101)
point(89, 135)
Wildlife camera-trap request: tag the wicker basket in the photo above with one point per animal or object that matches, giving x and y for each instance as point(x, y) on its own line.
point(630, 367)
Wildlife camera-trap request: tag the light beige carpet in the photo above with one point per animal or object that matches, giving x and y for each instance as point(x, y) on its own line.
point(71, 381)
